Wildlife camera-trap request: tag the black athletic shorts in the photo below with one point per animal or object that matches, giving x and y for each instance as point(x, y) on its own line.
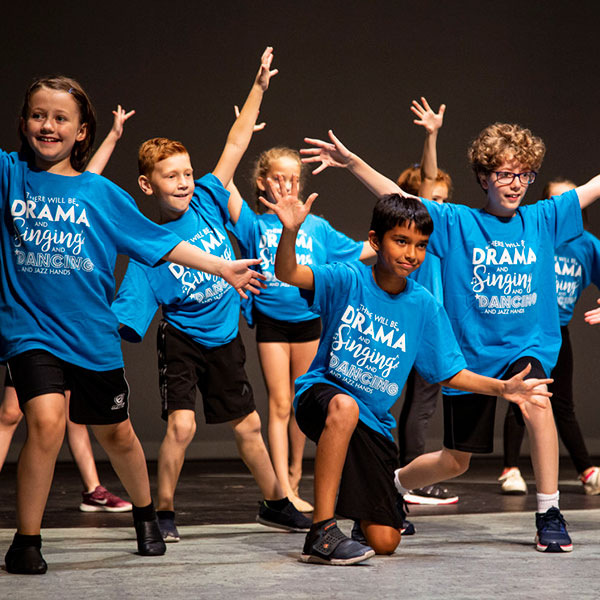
point(218, 373)
point(367, 490)
point(273, 330)
point(469, 418)
point(97, 397)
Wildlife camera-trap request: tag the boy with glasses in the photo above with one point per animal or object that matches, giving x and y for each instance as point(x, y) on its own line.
point(500, 295)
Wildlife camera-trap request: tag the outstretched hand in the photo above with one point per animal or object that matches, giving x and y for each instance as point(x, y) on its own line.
point(426, 117)
point(265, 73)
point(287, 206)
point(522, 391)
point(120, 116)
point(329, 154)
point(257, 126)
point(241, 277)
point(592, 317)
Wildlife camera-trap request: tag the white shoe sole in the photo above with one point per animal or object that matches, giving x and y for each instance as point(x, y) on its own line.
point(89, 508)
point(337, 562)
point(416, 499)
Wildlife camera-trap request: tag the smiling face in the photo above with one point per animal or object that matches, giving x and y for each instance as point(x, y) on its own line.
point(503, 199)
point(52, 127)
point(172, 183)
point(399, 253)
point(283, 166)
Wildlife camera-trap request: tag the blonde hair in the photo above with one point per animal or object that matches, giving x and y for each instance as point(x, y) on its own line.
point(410, 180)
point(263, 163)
point(155, 150)
point(504, 141)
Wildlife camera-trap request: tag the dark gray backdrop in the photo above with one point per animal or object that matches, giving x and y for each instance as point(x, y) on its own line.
point(354, 67)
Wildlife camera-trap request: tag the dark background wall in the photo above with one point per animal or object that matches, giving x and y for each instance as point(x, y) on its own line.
point(353, 67)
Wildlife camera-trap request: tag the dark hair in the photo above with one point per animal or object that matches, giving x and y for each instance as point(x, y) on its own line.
point(81, 152)
point(393, 210)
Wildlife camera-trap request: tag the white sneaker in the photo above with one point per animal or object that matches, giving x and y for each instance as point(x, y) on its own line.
point(591, 483)
point(513, 483)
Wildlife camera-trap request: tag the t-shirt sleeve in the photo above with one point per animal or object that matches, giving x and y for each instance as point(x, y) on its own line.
point(330, 280)
point(562, 216)
point(4, 176)
point(212, 197)
point(135, 304)
point(340, 247)
point(244, 231)
point(595, 260)
point(438, 357)
point(445, 217)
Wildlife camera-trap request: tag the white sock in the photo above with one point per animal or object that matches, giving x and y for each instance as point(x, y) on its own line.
point(401, 489)
point(546, 501)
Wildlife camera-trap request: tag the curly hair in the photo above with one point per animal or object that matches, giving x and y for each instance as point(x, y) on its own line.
point(263, 163)
point(156, 149)
point(505, 141)
point(82, 151)
point(410, 180)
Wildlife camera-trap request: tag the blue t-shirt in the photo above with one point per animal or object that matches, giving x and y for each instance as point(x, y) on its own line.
point(498, 278)
point(372, 339)
point(59, 243)
point(576, 264)
point(429, 275)
point(205, 307)
point(318, 243)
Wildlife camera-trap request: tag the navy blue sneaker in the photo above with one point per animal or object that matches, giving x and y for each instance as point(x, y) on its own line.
point(289, 518)
point(552, 533)
point(357, 534)
point(168, 529)
point(407, 527)
point(327, 545)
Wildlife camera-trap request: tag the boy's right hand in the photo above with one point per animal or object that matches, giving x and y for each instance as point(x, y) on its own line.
point(287, 206)
point(120, 116)
point(241, 277)
point(521, 391)
point(426, 117)
point(330, 154)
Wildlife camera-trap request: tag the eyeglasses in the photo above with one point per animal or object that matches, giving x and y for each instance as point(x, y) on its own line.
point(506, 177)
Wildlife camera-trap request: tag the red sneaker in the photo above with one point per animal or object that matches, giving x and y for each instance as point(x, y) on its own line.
point(102, 500)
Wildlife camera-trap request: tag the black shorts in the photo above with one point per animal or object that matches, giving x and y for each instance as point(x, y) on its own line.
point(97, 397)
point(218, 373)
point(367, 490)
point(273, 330)
point(469, 418)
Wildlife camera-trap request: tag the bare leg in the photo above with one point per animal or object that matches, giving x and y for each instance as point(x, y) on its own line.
point(382, 538)
point(434, 467)
point(253, 452)
point(45, 417)
point(81, 450)
point(127, 458)
point(10, 417)
point(181, 427)
point(342, 418)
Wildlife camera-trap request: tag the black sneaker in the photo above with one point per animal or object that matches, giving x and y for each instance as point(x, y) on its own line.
point(552, 533)
point(25, 560)
point(288, 518)
point(432, 495)
point(149, 539)
point(407, 527)
point(329, 546)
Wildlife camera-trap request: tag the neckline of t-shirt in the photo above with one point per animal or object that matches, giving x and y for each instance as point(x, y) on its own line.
point(382, 293)
point(37, 171)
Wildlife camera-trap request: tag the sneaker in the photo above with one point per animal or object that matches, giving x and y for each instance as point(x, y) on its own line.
point(407, 527)
point(288, 518)
point(512, 482)
point(591, 482)
point(149, 538)
point(168, 530)
point(25, 560)
point(357, 534)
point(552, 533)
point(431, 494)
point(102, 500)
point(329, 546)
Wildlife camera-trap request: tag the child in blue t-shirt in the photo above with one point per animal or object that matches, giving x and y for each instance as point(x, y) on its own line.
point(199, 345)
point(377, 324)
point(63, 229)
point(500, 295)
point(577, 264)
point(287, 332)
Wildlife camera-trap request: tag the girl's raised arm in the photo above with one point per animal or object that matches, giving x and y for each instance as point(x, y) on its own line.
point(101, 157)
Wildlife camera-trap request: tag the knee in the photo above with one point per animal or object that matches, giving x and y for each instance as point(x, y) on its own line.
point(384, 540)
point(181, 428)
point(118, 438)
point(10, 416)
point(280, 406)
point(456, 462)
point(342, 413)
point(248, 426)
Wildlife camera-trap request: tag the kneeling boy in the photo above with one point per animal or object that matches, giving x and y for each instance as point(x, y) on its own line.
point(377, 323)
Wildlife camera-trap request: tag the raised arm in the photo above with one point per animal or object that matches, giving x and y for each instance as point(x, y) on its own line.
point(517, 389)
point(236, 272)
point(235, 202)
point(589, 192)
point(432, 122)
point(101, 157)
point(335, 154)
point(292, 213)
point(241, 131)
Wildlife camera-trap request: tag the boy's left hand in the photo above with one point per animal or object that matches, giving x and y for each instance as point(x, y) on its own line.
point(257, 126)
point(519, 390)
point(241, 277)
point(264, 73)
point(287, 206)
point(592, 317)
point(120, 116)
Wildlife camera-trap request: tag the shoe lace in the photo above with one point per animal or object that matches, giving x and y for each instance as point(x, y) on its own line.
point(554, 520)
